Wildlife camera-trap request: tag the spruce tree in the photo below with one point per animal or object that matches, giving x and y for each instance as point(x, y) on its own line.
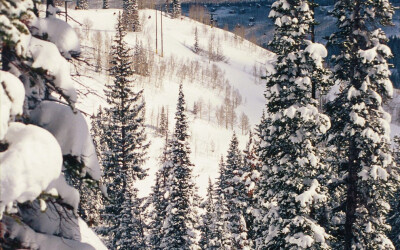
point(224, 236)
point(176, 9)
point(131, 15)
point(163, 122)
point(140, 59)
point(209, 228)
point(234, 192)
point(126, 143)
point(250, 178)
point(20, 223)
point(360, 137)
point(394, 218)
point(290, 193)
point(106, 4)
point(82, 5)
point(158, 201)
point(181, 218)
point(196, 47)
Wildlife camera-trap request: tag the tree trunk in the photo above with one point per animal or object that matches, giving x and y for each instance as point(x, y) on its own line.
point(49, 2)
point(351, 202)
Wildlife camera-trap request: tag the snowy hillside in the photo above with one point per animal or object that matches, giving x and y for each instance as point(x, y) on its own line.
point(204, 81)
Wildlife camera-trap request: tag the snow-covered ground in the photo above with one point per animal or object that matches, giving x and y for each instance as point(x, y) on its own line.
point(208, 140)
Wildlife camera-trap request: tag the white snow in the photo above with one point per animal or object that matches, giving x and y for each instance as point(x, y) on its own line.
point(317, 52)
point(89, 237)
point(368, 55)
point(31, 162)
point(59, 32)
point(34, 240)
point(311, 195)
point(208, 140)
point(12, 95)
point(357, 119)
point(46, 55)
point(301, 240)
point(68, 194)
point(71, 131)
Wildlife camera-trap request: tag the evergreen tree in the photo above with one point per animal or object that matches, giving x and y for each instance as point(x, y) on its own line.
point(394, 218)
point(209, 233)
point(31, 87)
point(224, 236)
point(181, 218)
point(106, 4)
point(289, 194)
point(250, 178)
point(126, 143)
point(196, 47)
point(131, 15)
point(158, 201)
point(163, 122)
point(360, 137)
point(141, 64)
point(176, 9)
point(82, 5)
point(234, 192)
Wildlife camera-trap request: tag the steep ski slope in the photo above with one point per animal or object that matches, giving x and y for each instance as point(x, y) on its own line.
point(208, 140)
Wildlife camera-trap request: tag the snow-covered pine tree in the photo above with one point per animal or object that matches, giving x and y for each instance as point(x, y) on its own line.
point(209, 234)
point(250, 178)
point(135, 17)
point(158, 206)
point(394, 218)
point(131, 15)
point(158, 201)
point(235, 194)
point(224, 236)
point(31, 141)
point(181, 216)
point(82, 4)
point(127, 147)
point(196, 47)
point(106, 4)
point(290, 194)
point(176, 9)
point(163, 122)
point(360, 135)
point(141, 62)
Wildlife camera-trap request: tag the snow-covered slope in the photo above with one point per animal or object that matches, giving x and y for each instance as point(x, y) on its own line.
point(239, 68)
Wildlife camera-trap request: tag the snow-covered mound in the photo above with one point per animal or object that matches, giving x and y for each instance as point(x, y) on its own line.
point(71, 131)
point(206, 80)
point(32, 161)
point(58, 32)
point(12, 94)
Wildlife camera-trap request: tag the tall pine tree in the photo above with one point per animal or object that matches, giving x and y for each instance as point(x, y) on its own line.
point(176, 8)
point(181, 217)
point(126, 143)
point(290, 193)
point(250, 178)
point(234, 192)
point(158, 201)
point(130, 15)
point(209, 234)
point(224, 236)
point(360, 136)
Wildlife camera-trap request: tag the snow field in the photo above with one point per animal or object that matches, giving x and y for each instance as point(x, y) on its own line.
point(208, 140)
